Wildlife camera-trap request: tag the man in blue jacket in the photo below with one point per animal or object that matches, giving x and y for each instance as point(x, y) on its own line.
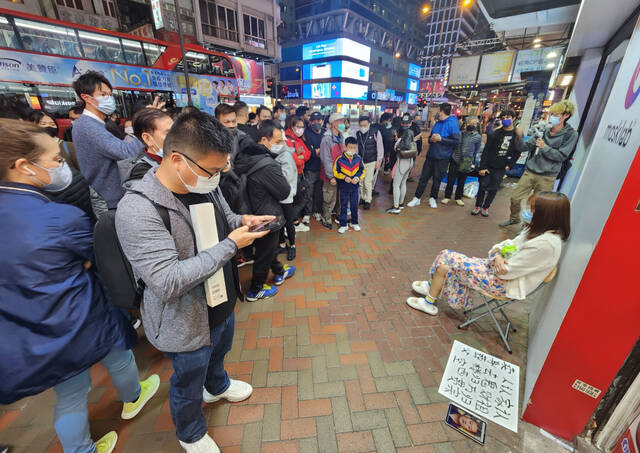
point(445, 136)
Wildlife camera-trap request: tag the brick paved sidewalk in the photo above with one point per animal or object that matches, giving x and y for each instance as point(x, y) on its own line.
point(338, 361)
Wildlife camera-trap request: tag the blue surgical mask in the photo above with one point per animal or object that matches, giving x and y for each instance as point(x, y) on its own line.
point(106, 104)
point(276, 149)
point(342, 127)
point(526, 215)
point(554, 121)
point(60, 176)
point(282, 116)
point(506, 122)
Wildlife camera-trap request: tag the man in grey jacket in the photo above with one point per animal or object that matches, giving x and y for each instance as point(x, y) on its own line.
point(546, 155)
point(194, 333)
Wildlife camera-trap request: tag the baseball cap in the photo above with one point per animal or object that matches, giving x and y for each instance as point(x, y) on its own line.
point(315, 116)
point(406, 119)
point(335, 117)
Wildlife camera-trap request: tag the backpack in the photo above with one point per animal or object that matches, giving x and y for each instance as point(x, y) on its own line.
point(114, 269)
point(135, 167)
point(244, 203)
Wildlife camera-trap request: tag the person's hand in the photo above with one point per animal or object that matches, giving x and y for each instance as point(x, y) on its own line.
point(157, 104)
point(333, 181)
point(87, 265)
point(386, 159)
point(378, 165)
point(347, 180)
point(507, 168)
point(483, 172)
point(317, 151)
point(519, 131)
point(250, 220)
point(540, 143)
point(243, 238)
point(355, 180)
point(500, 265)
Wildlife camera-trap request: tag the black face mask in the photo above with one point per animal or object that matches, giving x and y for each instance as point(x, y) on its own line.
point(52, 131)
point(317, 127)
point(471, 128)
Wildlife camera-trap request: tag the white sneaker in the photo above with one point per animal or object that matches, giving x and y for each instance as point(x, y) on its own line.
point(301, 227)
point(421, 287)
point(445, 200)
point(356, 227)
point(421, 304)
point(342, 230)
point(306, 219)
point(204, 445)
point(432, 203)
point(413, 203)
point(337, 221)
point(237, 391)
point(317, 216)
point(460, 203)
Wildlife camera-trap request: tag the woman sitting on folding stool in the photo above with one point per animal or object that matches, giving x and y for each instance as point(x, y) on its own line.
point(515, 267)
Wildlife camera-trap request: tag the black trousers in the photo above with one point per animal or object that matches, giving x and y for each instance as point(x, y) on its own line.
point(392, 161)
point(455, 177)
point(315, 183)
point(432, 168)
point(265, 258)
point(489, 186)
point(290, 215)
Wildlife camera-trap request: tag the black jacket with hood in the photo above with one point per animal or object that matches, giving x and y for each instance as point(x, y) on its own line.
point(265, 187)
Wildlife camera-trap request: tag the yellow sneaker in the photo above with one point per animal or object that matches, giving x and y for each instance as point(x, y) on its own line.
point(107, 443)
point(148, 388)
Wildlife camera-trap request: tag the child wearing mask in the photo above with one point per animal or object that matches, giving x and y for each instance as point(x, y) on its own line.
point(348, 170)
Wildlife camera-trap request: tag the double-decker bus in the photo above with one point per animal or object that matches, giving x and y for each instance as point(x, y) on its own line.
point(40, 58)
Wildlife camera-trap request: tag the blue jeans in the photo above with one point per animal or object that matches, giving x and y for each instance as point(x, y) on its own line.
point(71, 417)
point(349, 200)
point(192, 371)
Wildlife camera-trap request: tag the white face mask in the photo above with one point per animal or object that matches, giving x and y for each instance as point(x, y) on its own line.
point(106, 104)
point(160, 152)
point(364, 130)
point(299, 131)
point(203, 185)
point(276, 149)
point(351, 152)
point(128, 130)
point(60, 177)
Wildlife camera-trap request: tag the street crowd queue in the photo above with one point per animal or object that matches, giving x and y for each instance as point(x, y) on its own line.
point(265, 182)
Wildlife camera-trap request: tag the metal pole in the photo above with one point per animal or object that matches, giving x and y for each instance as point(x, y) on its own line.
point(185, 65)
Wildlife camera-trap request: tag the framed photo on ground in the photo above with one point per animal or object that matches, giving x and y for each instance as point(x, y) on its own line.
point(466, 423)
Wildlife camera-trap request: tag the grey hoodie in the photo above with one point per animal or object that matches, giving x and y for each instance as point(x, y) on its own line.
point(289, 170)
point(174, 307)
point(548, 160)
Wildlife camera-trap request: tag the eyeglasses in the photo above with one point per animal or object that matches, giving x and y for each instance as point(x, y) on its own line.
point(211, 175)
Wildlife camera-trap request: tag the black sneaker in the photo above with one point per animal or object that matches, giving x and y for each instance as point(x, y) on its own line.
point(366, 206)
point(282, 249)
point(291, 254)
point(328, 226)
point(361, 202)
point(410, 179)
point(375, 193)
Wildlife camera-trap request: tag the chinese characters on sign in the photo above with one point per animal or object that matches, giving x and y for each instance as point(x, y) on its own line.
point(483, 384)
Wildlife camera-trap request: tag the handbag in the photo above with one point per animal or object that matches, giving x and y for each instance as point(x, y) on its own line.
point(466, 164)
point(408, 153)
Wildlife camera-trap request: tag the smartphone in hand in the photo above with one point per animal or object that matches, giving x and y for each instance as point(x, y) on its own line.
point(269, 225)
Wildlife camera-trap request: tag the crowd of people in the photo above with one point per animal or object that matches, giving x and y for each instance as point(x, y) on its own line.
point(263, 177)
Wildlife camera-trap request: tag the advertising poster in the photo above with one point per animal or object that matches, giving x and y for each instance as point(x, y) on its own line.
point(412, 84)
point(35, 68)
point(336, 47)
point(464, 70)
point(414, 70)
point(250, 75)
point(536, 60)
point(496, 67)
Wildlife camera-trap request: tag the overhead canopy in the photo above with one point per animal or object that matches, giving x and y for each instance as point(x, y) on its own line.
point(505, 8)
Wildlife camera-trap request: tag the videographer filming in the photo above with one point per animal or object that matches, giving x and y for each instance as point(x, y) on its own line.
point(546, 156)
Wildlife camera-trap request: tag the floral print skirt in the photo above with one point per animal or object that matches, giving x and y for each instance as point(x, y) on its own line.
point(467, 274)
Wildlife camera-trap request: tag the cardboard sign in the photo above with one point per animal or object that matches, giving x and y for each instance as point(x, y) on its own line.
point(482, 384)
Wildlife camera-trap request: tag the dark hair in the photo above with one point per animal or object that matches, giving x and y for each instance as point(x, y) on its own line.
point(266, 129)
point(36, 115)
point(189, 109)
point(145, 121)
point(198, 134)
point(279, 107)
point(386, 116)
point(364, 118)
point(302, 110)
point(78, 108)
point(15, 107)
point(510, 113)
point(252, 116)
point(239, 105)
point(18, 141)
point(89, 81)
point(261, 108)
point(223, 109)
point(350, 141)
point(445, 108)
point(551, 212)
point(292, 120)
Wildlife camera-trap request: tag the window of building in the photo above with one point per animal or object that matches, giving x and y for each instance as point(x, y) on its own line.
point(47, 38)
point(218, 21)
point(254, 31)
point(77, 4)
point(109, 8)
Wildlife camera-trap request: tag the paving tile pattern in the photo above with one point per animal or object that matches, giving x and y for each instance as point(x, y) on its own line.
point(339, 363)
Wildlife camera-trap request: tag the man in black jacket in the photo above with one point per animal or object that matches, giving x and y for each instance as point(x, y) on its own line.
point(388, 140)
point(313, 137)
point(266, 187)
point(501, 152)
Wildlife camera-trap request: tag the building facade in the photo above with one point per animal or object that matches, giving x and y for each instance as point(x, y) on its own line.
point(334, 50)
point(101, 14)
point(245, 28)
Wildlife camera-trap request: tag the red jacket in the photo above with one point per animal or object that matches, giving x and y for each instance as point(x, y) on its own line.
point(302, 153)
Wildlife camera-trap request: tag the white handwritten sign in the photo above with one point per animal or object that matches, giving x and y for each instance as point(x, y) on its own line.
point(483, 384)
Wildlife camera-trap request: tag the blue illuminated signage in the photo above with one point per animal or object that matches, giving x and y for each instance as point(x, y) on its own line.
point(336, 90)
point(411, 98)
point(412, 84)
point(336, 47)
point(414, 70)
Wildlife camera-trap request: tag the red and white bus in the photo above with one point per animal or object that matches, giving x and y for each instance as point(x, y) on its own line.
point(40, 57)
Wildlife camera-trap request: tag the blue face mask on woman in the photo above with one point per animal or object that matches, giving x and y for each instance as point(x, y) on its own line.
point(526, 215)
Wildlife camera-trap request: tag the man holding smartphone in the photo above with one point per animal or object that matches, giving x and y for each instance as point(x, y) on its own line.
point(155, 229)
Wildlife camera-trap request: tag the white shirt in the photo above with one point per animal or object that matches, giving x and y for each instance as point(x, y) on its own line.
point(92, 115)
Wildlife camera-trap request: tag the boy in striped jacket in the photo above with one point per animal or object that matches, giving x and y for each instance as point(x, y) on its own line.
point(348, 169)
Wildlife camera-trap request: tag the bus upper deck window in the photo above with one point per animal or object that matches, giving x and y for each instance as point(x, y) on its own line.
point(153, 52)
point(101, 47)
point(7, 36)
point(133, 52)
point(47, 38)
